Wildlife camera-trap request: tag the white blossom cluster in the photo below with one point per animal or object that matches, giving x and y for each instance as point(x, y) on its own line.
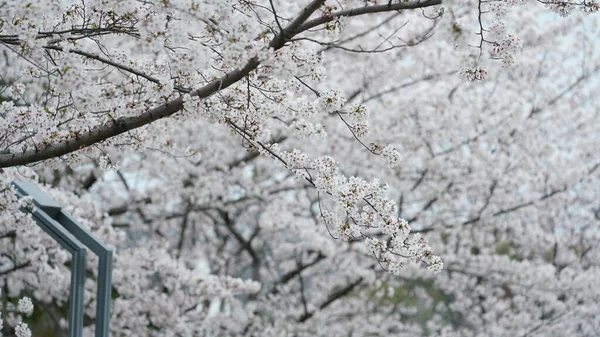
point(565, 8)
point(306, 129)
point(506, 48)
point(377, 211)
point(392, 156)
point(358, 119)
point(475, 74)
point(331, 101)
point(24, 306)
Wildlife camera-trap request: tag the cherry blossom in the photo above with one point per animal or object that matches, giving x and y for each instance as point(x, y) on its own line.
point(322, 168)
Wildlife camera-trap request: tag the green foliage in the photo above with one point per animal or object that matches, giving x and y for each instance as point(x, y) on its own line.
point(508, 248)
point(405, 296)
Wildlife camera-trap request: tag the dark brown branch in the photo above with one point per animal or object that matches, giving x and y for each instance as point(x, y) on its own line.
point(336, 295)
point(368, 10)
point(125, 208)
point(302, 294)
point(404, 85)
point(565, 91)
point(9, 234)
point(485, 204)
point(243, 242)
point(293, 273)
point(109, 62)
point(184, 224)
point(125, 124)
point(15, 267)
point(420, 180)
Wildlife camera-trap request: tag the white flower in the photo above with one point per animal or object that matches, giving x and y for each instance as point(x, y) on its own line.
point(435, 265)
point(360, 129)
point(306, 129)
point(472, 75)
point(106, 164)
point(22, 330)
point(295, 159)
point(16, 91)
point(562, 8)
point(375, 244)
point(392, 155)
point(331, 101)
point(25, 306)
point(349, 231)
point(395, 267)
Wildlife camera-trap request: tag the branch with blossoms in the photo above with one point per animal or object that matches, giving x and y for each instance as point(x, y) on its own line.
point(504, 45)
point(418, 39)
point(332, 298)
point(24, 306)
point(95, 22)
point(564, 8)
point(357, 117)
point(70, 35)
point(347, 193)
point(363, 33)
point(73, 142)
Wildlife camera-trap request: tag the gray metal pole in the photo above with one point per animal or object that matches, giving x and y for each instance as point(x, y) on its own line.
point(71, 236)
point(78, 257)
point(104, 254)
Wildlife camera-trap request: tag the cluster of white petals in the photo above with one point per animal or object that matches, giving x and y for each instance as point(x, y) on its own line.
point(368, 209)
point(24, 306)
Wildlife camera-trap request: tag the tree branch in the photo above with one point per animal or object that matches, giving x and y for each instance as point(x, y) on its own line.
point(332, 298)
point(293, 273)
point(368, 10)
point(125, 124)
point(110, 62)
point(15, 267)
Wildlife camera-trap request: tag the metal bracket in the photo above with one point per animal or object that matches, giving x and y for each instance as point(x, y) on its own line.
point(74, 238)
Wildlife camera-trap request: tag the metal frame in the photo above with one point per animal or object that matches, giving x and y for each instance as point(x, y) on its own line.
point(74, 238)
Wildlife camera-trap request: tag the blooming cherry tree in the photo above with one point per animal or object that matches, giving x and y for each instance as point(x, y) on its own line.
point(307, 168)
